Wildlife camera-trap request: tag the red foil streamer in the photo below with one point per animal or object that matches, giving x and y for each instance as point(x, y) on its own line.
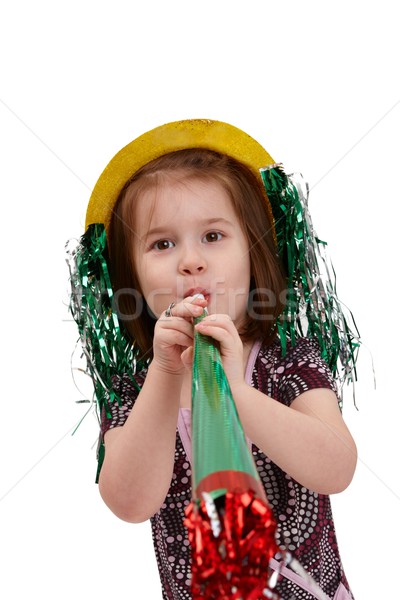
point(235, 564)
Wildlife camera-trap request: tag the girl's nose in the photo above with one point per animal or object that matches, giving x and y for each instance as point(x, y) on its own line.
point(191, 262)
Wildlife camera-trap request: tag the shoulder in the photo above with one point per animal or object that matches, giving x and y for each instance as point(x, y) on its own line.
point(298, 370)
point(121, 399)
point(129, 385)
point(306, 350)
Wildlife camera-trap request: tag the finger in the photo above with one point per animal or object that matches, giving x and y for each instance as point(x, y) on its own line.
point(219, 320)
point(174, 337)
point(218, 333)
point(174, 324)
point(198, 299)
point(219, 327)
point(185, 309)
point(193, 305)
point(187, 357)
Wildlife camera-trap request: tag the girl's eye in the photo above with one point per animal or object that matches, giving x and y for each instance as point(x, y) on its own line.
point(163, 245)
point(213, 236)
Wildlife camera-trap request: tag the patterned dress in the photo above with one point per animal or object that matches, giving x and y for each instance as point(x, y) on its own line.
point(304, 518)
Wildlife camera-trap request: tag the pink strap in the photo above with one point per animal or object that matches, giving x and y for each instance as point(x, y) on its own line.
point(251, 361)
point(184, 426)
point(340, 594)
point(291, 575)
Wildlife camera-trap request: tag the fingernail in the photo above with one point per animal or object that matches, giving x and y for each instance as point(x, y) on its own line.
point(198, 297)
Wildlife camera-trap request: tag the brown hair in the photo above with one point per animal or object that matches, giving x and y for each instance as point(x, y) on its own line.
point(250, 204)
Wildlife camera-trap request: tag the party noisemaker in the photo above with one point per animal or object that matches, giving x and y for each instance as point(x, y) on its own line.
point(230, 524)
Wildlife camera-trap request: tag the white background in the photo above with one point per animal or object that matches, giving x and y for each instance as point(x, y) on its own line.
point(317, 84)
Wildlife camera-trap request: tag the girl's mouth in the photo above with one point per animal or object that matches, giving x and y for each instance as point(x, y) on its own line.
point(198, 291)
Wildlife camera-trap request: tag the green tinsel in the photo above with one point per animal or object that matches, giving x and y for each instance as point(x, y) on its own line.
point(107, 350)
point(313, 308)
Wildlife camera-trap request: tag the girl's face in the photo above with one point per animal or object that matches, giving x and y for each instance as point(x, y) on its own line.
point(188, 240)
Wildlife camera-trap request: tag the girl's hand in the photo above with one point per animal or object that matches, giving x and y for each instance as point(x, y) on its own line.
point(173, 336)
point(221, 328)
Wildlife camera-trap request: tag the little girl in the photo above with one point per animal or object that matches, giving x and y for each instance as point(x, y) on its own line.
point(184, 223)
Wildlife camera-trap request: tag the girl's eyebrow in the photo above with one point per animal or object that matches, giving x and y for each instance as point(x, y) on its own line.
point(203, 223)
point(217, 220)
